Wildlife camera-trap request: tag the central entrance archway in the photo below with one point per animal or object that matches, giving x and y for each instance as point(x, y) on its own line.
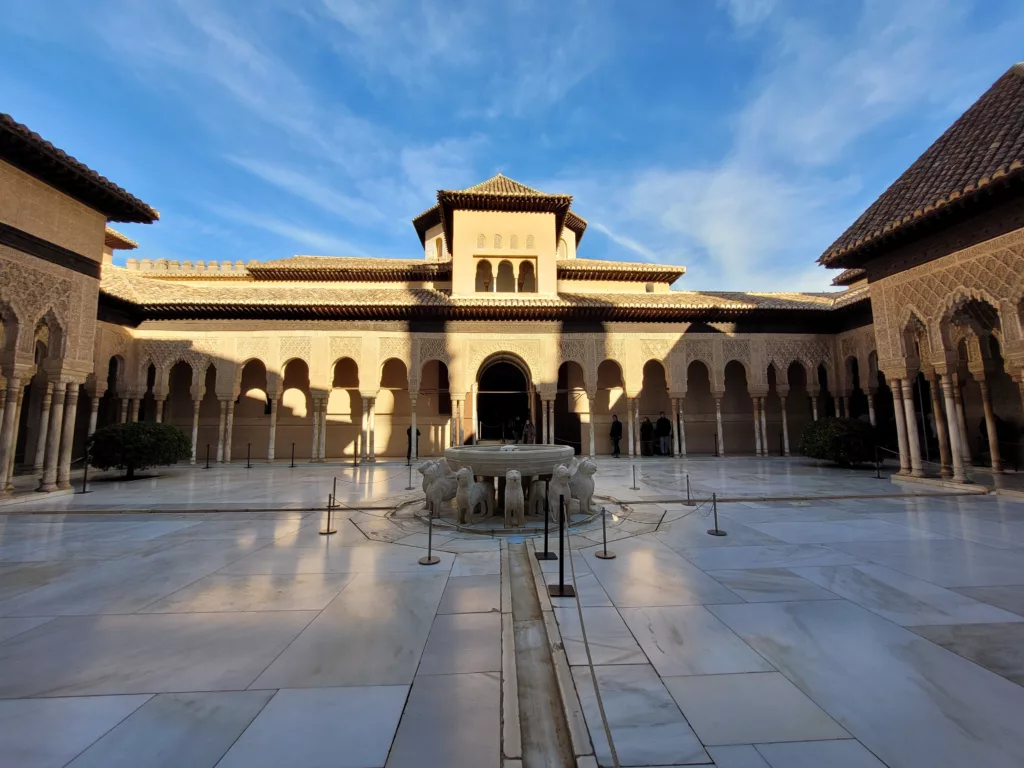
point(503, 398)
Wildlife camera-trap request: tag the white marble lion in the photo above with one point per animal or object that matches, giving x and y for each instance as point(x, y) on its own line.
point(558, 487)
point(439, 484)
point(581, 484)
point(471, 495)
point(515, 503)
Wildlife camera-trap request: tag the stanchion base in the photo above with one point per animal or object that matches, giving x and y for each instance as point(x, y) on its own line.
point(432, 560)
point(546, 555)
point(561, 590)
point(716, 532)
point(328, 531)
point(605, 555)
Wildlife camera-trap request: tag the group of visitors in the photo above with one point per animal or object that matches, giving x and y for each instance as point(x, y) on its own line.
point(518, 431)
point(662, 430)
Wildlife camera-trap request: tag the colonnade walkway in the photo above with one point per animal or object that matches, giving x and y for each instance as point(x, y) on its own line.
point(869, 630)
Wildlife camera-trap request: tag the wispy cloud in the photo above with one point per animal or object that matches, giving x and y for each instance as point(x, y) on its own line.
point(628, 243)
point(320, 242)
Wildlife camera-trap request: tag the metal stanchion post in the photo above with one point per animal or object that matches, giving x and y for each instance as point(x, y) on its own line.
point(605, 554)
point(546, 555)
point(561, 589)
point(248, 455)
point(334, 490)
point(714, 508)
point(85, 472)
point(410, 486)
point(688, 499)
point(430, 558)
point(634, 488)
point(207, 456)
point(329, 529)
point(293, 456)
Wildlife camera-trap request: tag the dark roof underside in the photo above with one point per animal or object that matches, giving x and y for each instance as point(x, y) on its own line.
point(34, 155)
point(975, 164)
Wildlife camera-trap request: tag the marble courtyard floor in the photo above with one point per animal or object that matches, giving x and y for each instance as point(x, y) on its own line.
point(197, 618)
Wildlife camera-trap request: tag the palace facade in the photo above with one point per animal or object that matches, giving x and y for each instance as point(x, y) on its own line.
point(501, 318)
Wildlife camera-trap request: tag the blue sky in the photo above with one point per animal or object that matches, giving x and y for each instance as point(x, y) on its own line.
point(737, 137)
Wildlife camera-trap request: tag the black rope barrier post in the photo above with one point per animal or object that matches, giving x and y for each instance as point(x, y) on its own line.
point(334, 491)
point(605, 554)
point(561, 589)
point(207, 456)
point(410, 486)
point(714, 508)
point(329, 528)
point(85, 472)
point(689, 501)
point(248, 455)
point(293, 457)
point(430, 558)
point(634, 488)
point(546, 554)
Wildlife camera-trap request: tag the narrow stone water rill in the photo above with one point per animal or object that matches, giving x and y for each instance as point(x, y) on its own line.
point(545, 732)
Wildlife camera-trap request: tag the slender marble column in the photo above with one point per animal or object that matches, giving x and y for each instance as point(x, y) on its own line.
point(229, 431)
point(94, 412)
point(940, 427)
point(814, 407)
point(49, 479)
point(373, 427)
point(629, 424)
point(414, 448)
point(681, 434)
point(44, 423)
point(221, 421)
point(159, 411)
point(901, 425)
point(757, 428)
point(959, 473)
point(123, 416)
point(8, 431)
point(544, 421)
point(314, 451)
point(323, 428)
point(871, 408)
point(961, 421)
point(366, 421)
point(17, 422)
point(195, 430)
point(590, 408)
point(785, 428)
point(718, 422)
point(551, 421)
point(990, 427)
point(67, 437)
point(913, 440)
point(136, 402)
point(764, 431)
point(462, 426)
point(636, 425)
point(272, 436)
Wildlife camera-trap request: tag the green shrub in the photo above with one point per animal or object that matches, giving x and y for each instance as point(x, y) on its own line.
point(841, 441)
point(138, 446)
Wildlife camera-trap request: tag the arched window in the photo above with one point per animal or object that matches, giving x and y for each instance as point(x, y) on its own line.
point(438, 248)
point(527, 278)
point(497, 241)
point(506, 278)
point(529, 242)
point(513, 241)
point(481, 241)
point(563, 249)
point(483, 276)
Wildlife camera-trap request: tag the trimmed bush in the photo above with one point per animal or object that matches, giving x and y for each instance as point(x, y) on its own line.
point(138, 446)
point(841, 441)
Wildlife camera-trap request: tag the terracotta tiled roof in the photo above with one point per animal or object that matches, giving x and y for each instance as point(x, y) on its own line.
point(577, 224)
point(167, 299)
point(849, 276)
point(28, 151)
point(326, 268)
point(114, 239)
point(982, 151)
point(633, 271)
point(503, 185)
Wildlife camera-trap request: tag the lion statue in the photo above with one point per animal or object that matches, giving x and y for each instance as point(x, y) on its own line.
point(558, 487)
point(581, 484)
point(515, 503)
point(471, 495)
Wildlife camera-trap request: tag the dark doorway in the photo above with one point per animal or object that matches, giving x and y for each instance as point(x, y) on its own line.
point(502, 401)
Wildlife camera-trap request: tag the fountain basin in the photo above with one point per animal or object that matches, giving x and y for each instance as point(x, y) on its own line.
point(496, 460)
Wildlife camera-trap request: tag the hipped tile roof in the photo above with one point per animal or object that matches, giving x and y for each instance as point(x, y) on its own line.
point(848, 276)
point(982, 151)
point(32, 154)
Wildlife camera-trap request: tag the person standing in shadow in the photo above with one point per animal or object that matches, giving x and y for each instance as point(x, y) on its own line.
point(529, 433)
point(408, 450)
point(663, 427)
point(616, 435)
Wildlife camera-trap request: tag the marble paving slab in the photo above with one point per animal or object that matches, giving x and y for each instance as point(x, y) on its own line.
point(609, 638)
point(1009, 598)
point(471, 594)
point(997, 647)
point(373, 633)
point(152, 653)
point(462, 642)
point(692, 531)
point(774, 556)
point(818, 754)
point(475, 563)
point(370, 557)
point(588, 589)
point(829, 531)
point(750, 708)
point(901, 598)
point(254, 592)
point(737, 757)
point(689, 640)
point(912, 703)
point(463, 733)
point(758, 585)
point(321, 728)
point(946, 562)
point(646, 725)
point(82, 721)
point(12, 627)
point(176, 729)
